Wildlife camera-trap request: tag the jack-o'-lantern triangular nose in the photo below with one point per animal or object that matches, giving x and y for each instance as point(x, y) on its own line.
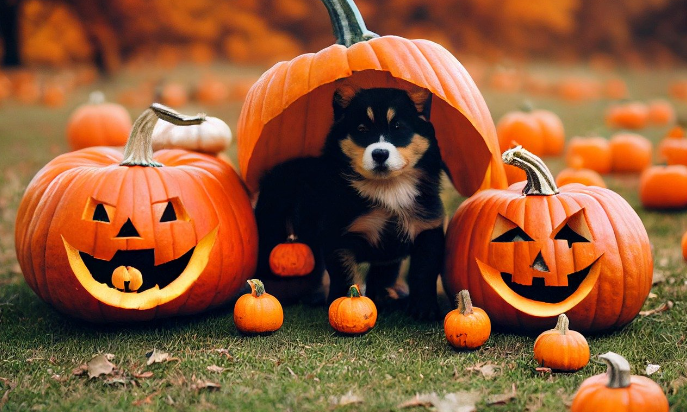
point(128, 230)
point(540, 264)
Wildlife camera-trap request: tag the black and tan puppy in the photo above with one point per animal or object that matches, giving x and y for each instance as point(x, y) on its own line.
point(372, 196)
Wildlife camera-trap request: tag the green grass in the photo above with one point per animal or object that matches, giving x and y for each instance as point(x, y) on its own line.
point(305, 366)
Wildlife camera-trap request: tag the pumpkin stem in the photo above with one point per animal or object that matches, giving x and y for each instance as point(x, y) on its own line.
point(257, 287)
point(354, 291)
point(563, 324)
point(618, 370)
point(347, 22)
point(527, 106)
point(540, 181)
point(96, 97)
point(464, 302)
point(139, 148)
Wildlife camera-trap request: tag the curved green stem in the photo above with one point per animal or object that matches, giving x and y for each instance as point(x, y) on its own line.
point(618, 370)
point(354, 291)
point(139, 148)
point(464, 302)
point(540, 181)
point(257, 287)
point(347, 22)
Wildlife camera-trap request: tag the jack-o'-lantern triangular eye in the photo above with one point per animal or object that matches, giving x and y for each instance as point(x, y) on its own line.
point(574, 229)
point(170, 210)
point(505, 230)
point(97, 211)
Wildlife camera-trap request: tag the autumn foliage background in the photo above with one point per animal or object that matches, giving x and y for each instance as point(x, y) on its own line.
point(132, 32)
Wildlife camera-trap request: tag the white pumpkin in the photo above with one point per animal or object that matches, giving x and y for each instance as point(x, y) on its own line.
point(212, 136)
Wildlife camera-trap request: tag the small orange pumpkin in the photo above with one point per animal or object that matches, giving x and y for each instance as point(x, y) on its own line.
point(673, 148)
point(630, 153)
point(173, 94)
point(98, 123)
point(258, 311)
point(577, 174)
point(664, 187)
point(292, 258)
point(594, 152)
point(561, 348)
point(466, 327)
point(683, 243)
point(522, 128)
point(632, 115)
point(353, 314)
point(661, 112)
point(619, 391)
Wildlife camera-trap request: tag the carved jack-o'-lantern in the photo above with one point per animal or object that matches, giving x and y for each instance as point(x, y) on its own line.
point(106, 237)
point(529, 255)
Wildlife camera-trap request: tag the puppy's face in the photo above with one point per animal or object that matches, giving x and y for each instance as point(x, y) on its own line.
point(382, 131)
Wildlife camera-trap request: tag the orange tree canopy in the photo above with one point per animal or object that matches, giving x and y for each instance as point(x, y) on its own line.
point(288, 112)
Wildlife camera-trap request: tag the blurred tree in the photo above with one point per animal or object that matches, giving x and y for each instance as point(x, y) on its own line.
point(9, 30)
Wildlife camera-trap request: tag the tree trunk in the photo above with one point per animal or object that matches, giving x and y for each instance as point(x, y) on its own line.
point(101, 32)
point(9, 31)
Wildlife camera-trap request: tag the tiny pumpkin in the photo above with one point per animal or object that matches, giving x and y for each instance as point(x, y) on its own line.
point(664, 187)
point(595, 153)
point(353, 314)
point(619, 391)
point(98, 123)
point(578, 174)
point(466, 327)
point(660, 112)
point(630, 153)
point(522, 128)
point(212, 136)
point(631, 115)
point(683, 244)
point(561, 348)
point(258, 311)
point(292, 258)
point(673, 148)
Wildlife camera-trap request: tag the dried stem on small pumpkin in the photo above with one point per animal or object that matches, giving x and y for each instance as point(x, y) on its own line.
point(464, 302)
point(540, 181)
point(257, 287)
point(96, 97)
point(139, 148)
point(563, 324)
point(348, 24)
point(618, 370)
point(354, 291)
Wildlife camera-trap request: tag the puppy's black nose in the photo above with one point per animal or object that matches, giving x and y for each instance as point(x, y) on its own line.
point(380, 155)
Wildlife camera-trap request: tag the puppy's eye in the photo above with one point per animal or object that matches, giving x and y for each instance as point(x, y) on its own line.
point(396, 125)
point(362, 128)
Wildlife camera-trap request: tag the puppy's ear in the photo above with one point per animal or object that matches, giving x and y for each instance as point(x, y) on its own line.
point(422, 99)
point(342, 98)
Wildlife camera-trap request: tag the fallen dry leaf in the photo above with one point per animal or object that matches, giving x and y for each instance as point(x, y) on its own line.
point(156, 356)
point(661, 308)
point(147, 400)
point(100, 365)
point(502, 398)
point(451, 402)
point(677, 384)
point(199, 384)
point(6, 395)
point(543, 370)
point(216, 369)
point(487, 370)
point(143, 375)
point(651, 369)
point(80, 370)
point(347, 399)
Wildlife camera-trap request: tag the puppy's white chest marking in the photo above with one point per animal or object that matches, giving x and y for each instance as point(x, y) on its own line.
point(397, 194)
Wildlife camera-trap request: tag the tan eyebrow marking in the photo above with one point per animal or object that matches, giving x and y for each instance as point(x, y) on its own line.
point(390, 114)
point(370, 114)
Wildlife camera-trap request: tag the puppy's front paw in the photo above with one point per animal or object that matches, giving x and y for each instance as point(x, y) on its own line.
point(424, 310)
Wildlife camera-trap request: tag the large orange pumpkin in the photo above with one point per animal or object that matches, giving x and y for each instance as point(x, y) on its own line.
point(181, 219)
point(533, 251)
point(98, 123)
point(288, 111)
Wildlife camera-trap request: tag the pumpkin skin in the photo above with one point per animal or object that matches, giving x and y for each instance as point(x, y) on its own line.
point(212, 136)
point(618, 391)
point(577, 174)
point(95, 206)
point(292, 258)
point(632, 115)
point(664, 187)
point(683, 243)
point(466, 327)
point(673, 148)
point(98, 124)
point(595, 153)
point(661, 112)
point(630, 153)
point(353, 314)
point(288, 111)
point(258, 311)
point(561, 348)
point(588, 232)
point(539, 131)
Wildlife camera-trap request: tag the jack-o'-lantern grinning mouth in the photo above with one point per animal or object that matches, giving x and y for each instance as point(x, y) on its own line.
point(550, 294)
point(143, 260)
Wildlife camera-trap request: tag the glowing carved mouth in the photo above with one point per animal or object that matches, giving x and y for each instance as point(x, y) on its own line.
point(161, 284)
point(538, 299)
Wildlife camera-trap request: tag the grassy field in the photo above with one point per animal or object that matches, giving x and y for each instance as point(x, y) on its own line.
point(305, 366)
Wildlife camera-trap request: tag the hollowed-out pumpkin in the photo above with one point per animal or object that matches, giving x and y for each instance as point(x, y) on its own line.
point(109, 237)
point(534, 251)
point(288, 111)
